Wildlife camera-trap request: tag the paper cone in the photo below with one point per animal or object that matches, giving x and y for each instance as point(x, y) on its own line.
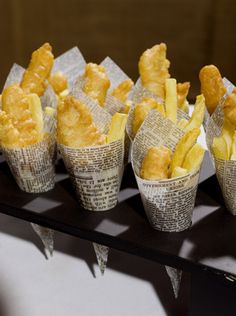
point(101, 255)
point(47, 237)
point(96, 173)
point(175, 276)
point(32, 166)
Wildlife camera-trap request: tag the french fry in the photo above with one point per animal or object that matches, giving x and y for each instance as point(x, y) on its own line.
point(179, 172)
point(49, 111)
point(171, 99)
point(233, 151)
point(117, 127)
point(182, 148)
point(228, 134)
point(194, 158)
point(36, 111)
point(197, 115)
point(182, 123)
point(127, 107)
point(219, 148)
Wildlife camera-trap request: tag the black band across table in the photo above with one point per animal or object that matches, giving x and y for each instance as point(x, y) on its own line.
point(208, 246)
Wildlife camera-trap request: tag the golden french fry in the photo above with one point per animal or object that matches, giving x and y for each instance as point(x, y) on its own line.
point(179, 172)
point(219, 148)
point(233, 151)
point(64, 93)
point(183, 147)
point(50, 111)
point(36, 112)
point(182, 92)
point(117, 127)
point(122, 91)
point(197, 115)
point(171, 99)
point(194, 158)
point(182, 123)
point(229, 108)
point(185, 106)
point(127, 107)
point(228, 133)
point(155, 165)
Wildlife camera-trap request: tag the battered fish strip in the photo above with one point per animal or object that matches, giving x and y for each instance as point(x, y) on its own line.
point(122, 91)
point(182, 92)
point(153, 69)
point(75, 126)
point(229, 108)
point(212, 86)
point(38, 71)
point(141, 111)
point(96, 82)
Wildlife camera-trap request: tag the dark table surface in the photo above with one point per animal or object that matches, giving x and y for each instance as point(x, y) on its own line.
point(208, 246)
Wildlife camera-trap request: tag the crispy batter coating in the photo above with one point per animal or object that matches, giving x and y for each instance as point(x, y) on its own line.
point(75, 126)
point(212, 86)
point(153, 69)
point(96, 82)
point(38, 70)
point(122, 91)
point(182, 92)
point(155, 165)
point(229, 108)
point(141, 111)
point(58, 82)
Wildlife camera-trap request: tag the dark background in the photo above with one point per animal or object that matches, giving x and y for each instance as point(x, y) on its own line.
point(197, 32)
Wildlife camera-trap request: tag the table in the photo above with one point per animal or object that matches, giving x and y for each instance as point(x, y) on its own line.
point(207, 250)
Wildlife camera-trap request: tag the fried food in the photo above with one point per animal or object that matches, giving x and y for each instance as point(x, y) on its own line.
point(141, 111)
point(194, 158)
point(179, 172)
point(183, 147)
point(182, 92)
point(127, 107)
point(75, 126)
point(155, 165)
point(228, 134)
point(58, 82)
point(38, 70)
point(229, 108)
point(96, 82)
point(117, 127)
point(122, 91)
point(212, 86)
point(171, 99)
point(219, 148)
point(233, 150)
point(153, 69)
point(182, 123)
point(197, 115)
point(36, 112)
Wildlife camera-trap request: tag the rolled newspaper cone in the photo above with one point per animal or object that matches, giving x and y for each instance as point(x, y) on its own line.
point(168, 203)
point(32, 166)
point(225, 169)
point(96, 173)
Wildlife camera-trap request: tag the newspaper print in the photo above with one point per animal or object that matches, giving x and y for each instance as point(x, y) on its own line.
point(32, 167)
point(96, 173)
point(225, 169)
point(168, 203)
point(101, 255)
point(175, 276)
point(47, 237)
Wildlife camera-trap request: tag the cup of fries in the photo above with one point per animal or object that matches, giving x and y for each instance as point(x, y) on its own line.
point(166, 161)
point(221, 142)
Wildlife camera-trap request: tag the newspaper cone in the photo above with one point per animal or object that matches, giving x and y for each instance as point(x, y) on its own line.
point(168, 203)
point(175, 276)
point(47, 237)
point(101, 255)
point(225, 169)
point(32, 166)
point(96, 173)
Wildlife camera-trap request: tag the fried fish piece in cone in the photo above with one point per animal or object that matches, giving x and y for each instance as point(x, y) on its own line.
point(141, 111)
point(75, 126)
point(155, 165)
point(153, 69)
point(182, 92)
point(229, 108)
point(212, 86)
point(96, 82)
point(122, 91)
point(38, 71)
